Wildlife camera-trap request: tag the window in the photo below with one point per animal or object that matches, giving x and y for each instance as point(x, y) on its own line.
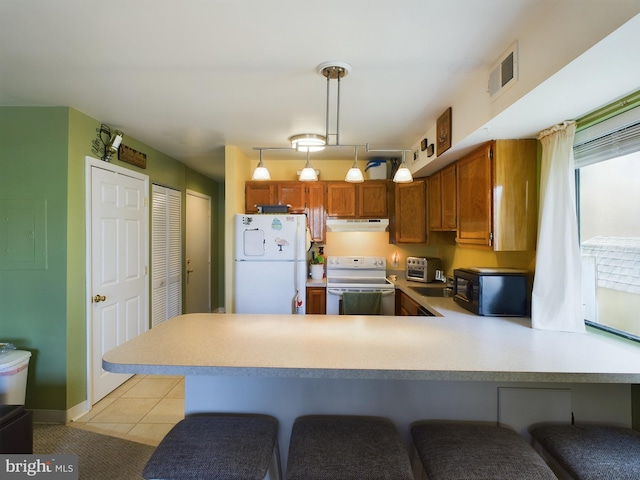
point(608, 189)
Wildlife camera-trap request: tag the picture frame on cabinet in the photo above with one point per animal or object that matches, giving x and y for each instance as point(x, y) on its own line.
point(443, 127)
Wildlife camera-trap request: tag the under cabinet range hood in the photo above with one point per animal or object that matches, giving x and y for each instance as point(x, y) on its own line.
point(357, 224)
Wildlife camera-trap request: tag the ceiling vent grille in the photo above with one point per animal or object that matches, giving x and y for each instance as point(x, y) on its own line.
point(504, 72)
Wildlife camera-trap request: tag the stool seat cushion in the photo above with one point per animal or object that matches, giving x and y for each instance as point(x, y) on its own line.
point(327, 447)
point(455, 451)
point(222, 447)
point(592, 452)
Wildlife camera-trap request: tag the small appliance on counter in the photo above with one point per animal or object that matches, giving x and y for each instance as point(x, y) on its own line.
point(422, 269)
point(492, 291)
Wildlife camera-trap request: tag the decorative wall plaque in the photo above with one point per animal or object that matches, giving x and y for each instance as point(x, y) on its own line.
point(129, 155)
point(443, 127)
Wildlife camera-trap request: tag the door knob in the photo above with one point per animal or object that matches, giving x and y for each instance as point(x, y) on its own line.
point(99, 298)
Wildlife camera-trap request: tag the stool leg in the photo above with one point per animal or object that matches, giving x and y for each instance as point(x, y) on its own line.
point(275, 468)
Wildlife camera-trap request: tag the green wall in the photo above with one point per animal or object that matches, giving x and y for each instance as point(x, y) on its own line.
point(43, 310)
point(33, 299)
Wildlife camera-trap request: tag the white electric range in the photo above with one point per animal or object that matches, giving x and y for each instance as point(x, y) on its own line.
point(358, 274)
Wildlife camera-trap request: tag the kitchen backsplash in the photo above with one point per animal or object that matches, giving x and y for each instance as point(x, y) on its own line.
point(377, 244)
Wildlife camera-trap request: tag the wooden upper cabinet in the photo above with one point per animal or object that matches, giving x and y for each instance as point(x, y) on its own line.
point(357, 200)
point(258, 193)
point(474, 197)
point(409, 225)
point(315, 198)
point(434, 183)
point(497, 196)
point(291, 193)
point(303, 197)
point(341, 199)
point(441, 191)
point(372, 199)
point(448, 195)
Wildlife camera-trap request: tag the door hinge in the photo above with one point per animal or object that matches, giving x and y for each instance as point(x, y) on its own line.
point(491, 154)
point(146, 201)
point(490, 239)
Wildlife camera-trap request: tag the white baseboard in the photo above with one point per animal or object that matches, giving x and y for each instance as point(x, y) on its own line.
point(60, 416)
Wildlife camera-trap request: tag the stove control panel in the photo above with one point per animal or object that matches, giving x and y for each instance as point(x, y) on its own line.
point(354, 262)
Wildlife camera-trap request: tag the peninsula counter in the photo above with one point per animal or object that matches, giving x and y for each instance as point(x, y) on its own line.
point(458, 366)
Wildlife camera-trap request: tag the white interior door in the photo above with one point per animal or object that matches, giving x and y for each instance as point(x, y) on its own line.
point(118, 237)
point(198, 251)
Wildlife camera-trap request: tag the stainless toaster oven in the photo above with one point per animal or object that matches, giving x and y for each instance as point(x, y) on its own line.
point(422, 269)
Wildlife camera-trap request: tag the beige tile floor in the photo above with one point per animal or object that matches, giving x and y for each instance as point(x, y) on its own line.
point(143, 409)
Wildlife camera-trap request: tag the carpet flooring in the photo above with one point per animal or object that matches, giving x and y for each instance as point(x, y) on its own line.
point(100, 457)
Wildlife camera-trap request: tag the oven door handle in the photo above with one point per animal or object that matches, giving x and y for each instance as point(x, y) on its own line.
point(338, 291)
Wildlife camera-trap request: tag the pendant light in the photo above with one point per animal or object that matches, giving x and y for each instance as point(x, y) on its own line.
point(354, 175)
point(308, 173)
point(403, 175)
point(261, 172)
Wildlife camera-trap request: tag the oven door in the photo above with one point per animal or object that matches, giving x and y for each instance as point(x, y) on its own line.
point(334, 299)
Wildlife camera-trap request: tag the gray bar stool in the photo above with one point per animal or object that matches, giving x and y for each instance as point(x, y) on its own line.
point(589, 452)
point(455, 450)
point(219, 447)
point(336, 447)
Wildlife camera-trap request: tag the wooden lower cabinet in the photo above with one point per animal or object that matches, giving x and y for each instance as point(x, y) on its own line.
point(316, 300)
point(405, 305)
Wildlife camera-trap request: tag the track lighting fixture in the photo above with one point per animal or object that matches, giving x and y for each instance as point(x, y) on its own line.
point(312, 142)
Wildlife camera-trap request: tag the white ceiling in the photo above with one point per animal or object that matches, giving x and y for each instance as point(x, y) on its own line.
point(188, 77)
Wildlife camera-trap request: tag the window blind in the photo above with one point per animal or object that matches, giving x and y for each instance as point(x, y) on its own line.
point(614, 137)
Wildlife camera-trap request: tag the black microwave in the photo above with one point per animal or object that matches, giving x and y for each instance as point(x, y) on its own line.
point(492, 291)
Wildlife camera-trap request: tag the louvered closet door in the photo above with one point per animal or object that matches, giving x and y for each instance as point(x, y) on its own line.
point(166, 249)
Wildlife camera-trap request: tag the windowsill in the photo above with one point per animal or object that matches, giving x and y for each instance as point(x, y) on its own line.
point(612, 333)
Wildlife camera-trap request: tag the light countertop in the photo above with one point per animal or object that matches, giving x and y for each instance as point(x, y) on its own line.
point(456, 346)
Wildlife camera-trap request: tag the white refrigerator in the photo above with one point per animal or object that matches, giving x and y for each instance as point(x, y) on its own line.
point(270, 263)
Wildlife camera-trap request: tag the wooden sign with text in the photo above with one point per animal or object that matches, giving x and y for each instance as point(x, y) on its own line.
point(129, 155)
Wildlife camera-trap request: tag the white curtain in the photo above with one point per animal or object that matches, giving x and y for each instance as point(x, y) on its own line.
point(557, 288)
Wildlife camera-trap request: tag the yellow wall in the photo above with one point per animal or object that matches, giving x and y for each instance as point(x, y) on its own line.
point(287, 169)
point(239, 169)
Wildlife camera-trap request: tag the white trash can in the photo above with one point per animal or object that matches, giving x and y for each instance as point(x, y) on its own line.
point(14, 365)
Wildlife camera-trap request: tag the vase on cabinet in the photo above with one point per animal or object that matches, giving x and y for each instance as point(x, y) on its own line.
point(317, 271)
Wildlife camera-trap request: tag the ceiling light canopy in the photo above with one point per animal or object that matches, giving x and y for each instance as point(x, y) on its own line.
point(313, 142)
point(308, 142)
